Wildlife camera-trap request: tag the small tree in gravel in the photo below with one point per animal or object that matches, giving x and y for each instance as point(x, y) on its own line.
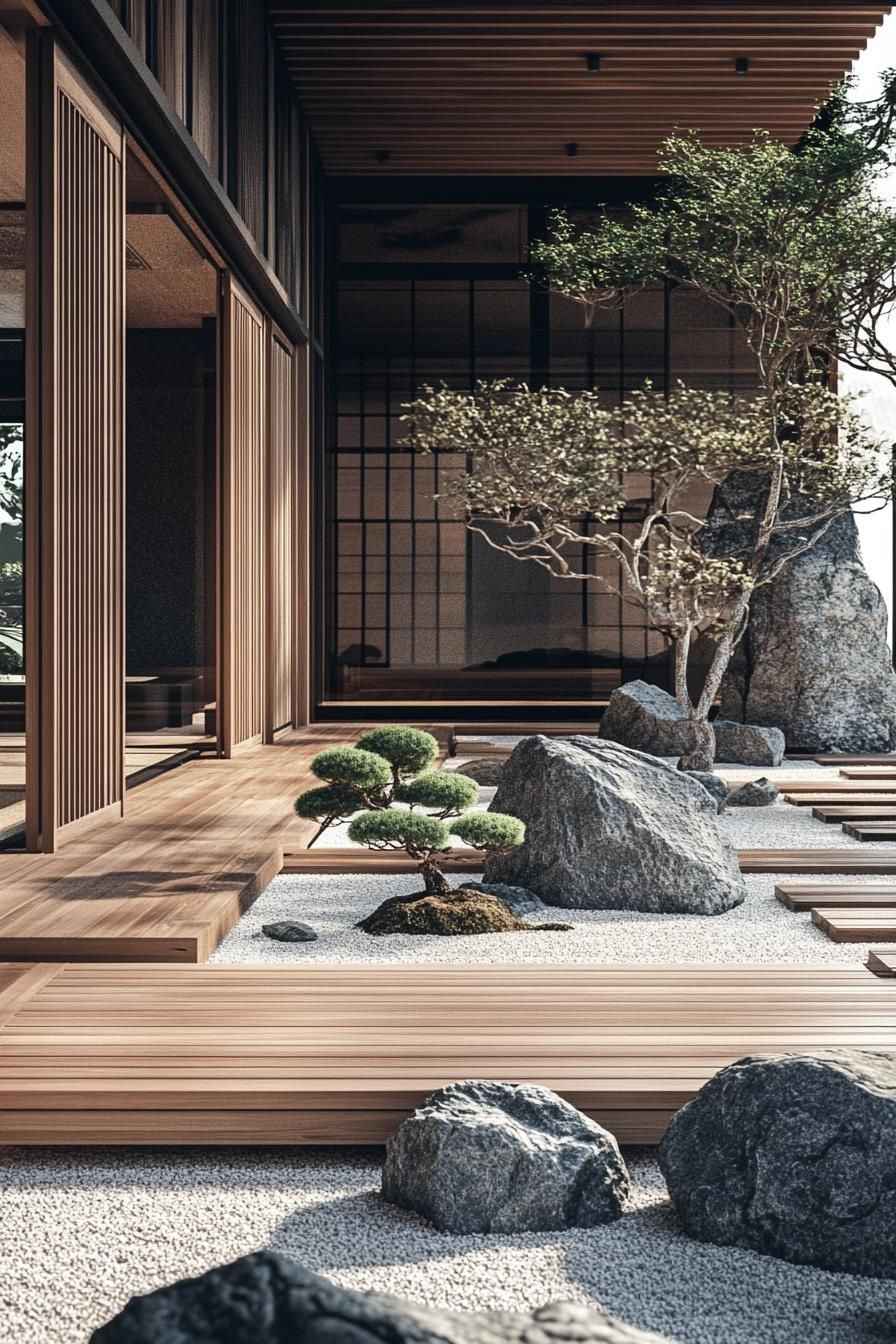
point(392, 766)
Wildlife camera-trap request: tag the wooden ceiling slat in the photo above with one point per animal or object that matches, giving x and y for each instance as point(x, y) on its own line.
point(501, 87)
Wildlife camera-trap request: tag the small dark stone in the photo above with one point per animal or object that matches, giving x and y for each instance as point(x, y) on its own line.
point(267, 1298)
point(485, 771)
point(289, 931)
point(794, 1156)
point(504, 1157)
point(463, 911)
point(757, 793)
point(519, 900)
point(714, 785)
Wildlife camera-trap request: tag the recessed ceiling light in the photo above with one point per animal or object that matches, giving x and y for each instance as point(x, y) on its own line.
point(592, 61)
point(742, 64)
point(572, 148)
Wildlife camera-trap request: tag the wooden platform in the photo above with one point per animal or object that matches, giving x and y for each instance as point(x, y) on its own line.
point(336, 1054)
point(882, 960)
point(849, 924)
point(856, 812)
point(818, 860)
point(870, 830)
point(872, 771)
point(825, 798)
point(873, 785)
point(810, 896)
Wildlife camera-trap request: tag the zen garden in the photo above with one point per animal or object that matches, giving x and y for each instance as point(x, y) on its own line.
point(692, 842)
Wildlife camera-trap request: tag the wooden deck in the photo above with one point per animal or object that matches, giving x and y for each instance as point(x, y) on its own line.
point(336, 1054)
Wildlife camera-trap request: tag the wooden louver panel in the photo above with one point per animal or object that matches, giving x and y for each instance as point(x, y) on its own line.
point(243, 522)
point(281, 535)
point(75, 493)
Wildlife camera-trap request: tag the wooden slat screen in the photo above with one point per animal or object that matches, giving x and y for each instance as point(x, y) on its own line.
point(243, 522)
point(170, 51)
point(75, 578)
point(205, 80)
point(281, 535)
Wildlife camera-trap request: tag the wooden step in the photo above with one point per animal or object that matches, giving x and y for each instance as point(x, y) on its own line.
point(868, 771)
point(818, 860)
point(870, 830)
point(862, 812)
point(848, 758)
point(861, 797)
point(844, 924)
point(882, 960)
point(814, 784)
point(809, 895)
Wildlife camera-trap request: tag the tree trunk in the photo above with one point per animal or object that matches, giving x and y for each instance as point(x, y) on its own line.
point(703, 751)
point(434, 880)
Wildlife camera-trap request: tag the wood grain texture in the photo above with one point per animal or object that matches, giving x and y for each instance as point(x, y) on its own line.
point(469, 89)
point(336, 1054)
point(882, 960)
point(281, 537)
point(809, 896)
point(847, 924)
point(75, 438)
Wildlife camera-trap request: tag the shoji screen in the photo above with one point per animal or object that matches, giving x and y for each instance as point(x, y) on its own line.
point(281, 534)
point(244, 521)
point(74, 446)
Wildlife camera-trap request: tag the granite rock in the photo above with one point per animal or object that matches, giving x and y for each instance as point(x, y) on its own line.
point(755, 793)
point(714, 785)
point(289, 931)
point(647, 718)
point(793, 1156)
point(519, 900)
point(485, 771)
point(268, 1298)
point(747, 743)
point(504, 1157)
point(608, 828)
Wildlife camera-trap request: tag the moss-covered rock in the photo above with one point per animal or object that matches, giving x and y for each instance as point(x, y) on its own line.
point(461, 912)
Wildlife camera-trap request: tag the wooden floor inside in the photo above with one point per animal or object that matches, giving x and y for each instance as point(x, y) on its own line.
point(336, 1054)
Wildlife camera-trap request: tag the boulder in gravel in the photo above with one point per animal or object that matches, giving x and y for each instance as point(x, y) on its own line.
point(464, 911)
point(289, 931)
point(268, 1298)
point(756, 793)
point(647, 718)
point(794, 1156)
point(747, 743)
point(486, 771)
point(814, 660)
point(519, 900)
point(714, 785)
point(608, 828)
point(504, 1157)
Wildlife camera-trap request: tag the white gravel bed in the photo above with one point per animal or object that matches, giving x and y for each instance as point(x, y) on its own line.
point(81, 1230)
point(761, 930)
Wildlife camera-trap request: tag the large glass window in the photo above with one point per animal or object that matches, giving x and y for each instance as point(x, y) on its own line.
point(418, 608)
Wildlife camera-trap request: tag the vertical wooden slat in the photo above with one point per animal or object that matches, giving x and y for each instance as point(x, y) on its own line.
point(280, 535)
point(303, 626)
point(76, 351)
point(243, 522)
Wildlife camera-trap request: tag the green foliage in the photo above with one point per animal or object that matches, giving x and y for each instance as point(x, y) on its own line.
point(326, 804)
point(414, 831)
point(447, 793)
point(409, 750)
point(347, 765)
point(489, 830)
point(12, 496)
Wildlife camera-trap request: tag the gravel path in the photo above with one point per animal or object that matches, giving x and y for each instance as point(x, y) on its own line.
point(82, 1230)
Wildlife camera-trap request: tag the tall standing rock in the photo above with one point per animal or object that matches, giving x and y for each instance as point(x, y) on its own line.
point(814, 661)
point(608, 828)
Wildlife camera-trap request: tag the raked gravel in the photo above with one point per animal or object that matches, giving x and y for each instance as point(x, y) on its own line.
point(83, 1230)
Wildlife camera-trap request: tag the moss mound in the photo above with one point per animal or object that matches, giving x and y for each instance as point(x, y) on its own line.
point(462, 912)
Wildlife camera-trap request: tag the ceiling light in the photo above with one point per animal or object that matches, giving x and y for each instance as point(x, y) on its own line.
point(592, 61)
point(742, 64)
point(572, 148)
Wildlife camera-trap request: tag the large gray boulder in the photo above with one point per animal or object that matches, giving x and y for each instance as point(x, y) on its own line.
point(794, 1156)
point(647, 718)
point(608, 828)
point(504, 1157)
point(747, 743)
point(267, 1298)
point(814, 661)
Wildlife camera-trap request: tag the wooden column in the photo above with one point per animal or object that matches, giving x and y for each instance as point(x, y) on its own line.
point(242, 686)
point(74, 451)
point(303, 614)
point(280, 534)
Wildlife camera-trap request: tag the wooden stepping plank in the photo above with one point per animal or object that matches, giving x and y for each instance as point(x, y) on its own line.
point(848, 925)
point(860, 798)
point(846, 758)
point(875, 785)
point(863, 812)
point(868, 772)
point(809, 895)
point(870, 830)
point(882, 960)
point(818, 860)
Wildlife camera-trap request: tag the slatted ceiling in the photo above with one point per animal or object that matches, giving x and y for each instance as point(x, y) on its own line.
point(472, 87)
point(281, 538)
point(244, 521)
point(75, 739)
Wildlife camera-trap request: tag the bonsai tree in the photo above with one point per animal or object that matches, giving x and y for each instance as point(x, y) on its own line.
point(799, 249)
point(391, 766)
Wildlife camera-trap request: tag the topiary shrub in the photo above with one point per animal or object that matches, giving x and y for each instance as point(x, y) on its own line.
point(362, 780)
